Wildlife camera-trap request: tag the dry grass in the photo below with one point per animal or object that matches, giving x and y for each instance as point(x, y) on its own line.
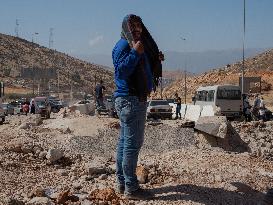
point(12, 90)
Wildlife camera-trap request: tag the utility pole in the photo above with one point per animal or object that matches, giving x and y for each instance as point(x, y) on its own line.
point(185, 86)
point(58, 79)
point(243, 65)
point(17, 35)
point(50, 44)
point(32, 36)
point(17, 28)
point(33, 75)
point(185, 74)
point(71, 92)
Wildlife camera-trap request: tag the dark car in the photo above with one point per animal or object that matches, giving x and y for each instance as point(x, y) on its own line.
point(55, 106)
point(8, 109)
point(42, 106)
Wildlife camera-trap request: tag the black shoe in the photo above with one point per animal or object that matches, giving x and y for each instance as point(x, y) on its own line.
point(120, 189)
point(139, 194)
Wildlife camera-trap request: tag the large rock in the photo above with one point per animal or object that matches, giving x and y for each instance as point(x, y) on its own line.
point(54, 155)
point(33, 121)
point(40, 201)
point(12, 201)
point(37, 192)
point(213, 125)
point(65, 196)
point(142, 174)
point(95, 168)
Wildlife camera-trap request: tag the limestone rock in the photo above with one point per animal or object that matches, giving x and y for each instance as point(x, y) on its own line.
point(54, 155)
point(213, 125)
point(37, 192)
point(95, 167)
point(142, 174)
point(40, 201)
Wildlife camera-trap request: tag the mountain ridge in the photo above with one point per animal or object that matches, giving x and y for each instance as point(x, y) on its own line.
point(260, 65)
point(17, 53)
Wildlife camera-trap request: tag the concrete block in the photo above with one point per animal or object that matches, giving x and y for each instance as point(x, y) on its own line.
point(213, 125)
point(182, 111)
point(207, 110)
point(193, 112)
point(86, 108)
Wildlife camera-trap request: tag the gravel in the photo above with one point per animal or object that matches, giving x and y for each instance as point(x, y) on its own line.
point(179, 171)
point(158, 139)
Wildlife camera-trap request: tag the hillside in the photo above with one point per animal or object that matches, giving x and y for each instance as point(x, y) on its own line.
point(18, 54)
point(260, 65)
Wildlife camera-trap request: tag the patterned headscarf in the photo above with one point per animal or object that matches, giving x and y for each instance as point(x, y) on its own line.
point(150, 46)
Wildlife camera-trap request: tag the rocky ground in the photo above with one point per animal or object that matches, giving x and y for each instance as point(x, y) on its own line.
point(70, 159)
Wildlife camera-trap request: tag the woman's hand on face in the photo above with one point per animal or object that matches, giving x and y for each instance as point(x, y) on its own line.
point(138, 46)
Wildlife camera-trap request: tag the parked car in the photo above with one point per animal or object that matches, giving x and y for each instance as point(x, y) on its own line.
point(17, 107)
point(2, 114)
point(159, 109)
point(55, 105)
point(173, 105)
point(42, 106)
point(8, 109)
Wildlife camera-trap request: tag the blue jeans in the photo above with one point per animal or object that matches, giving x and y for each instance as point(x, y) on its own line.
point(132, 115)
point(99, 102)
point(178, 108)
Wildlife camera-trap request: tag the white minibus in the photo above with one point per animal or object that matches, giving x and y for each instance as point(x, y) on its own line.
point(227, 99)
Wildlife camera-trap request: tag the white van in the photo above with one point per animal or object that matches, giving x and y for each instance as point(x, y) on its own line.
point(227, 99)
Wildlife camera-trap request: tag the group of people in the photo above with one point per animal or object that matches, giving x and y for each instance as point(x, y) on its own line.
point(28, 107)
point(257, 111)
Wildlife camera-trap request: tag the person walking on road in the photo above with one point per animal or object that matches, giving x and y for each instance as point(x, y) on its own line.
point(137, 63)
point(177, 101)
point(262, 115)
point(99, 89)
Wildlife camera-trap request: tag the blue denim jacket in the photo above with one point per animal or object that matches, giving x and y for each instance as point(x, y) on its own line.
point(125, 61)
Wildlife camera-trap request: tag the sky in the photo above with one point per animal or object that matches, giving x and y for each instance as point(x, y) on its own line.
point(87, 27)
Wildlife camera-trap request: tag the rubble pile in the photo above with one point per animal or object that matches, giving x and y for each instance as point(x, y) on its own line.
point(45, 164)
point(258, 135)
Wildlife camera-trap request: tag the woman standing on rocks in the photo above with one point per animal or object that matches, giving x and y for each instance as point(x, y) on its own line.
point(137, 63)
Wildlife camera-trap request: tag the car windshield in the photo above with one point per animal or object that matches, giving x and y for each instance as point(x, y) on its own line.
point(158, 102)
point(40, 103)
